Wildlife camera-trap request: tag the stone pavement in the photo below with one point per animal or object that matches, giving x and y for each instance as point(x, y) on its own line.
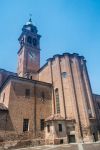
point(88, 146)
point(93, 146)
point(53, 147)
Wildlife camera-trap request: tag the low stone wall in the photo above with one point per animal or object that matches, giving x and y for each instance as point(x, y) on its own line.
point(21, 143)
point(11, 140)
point(12, 136)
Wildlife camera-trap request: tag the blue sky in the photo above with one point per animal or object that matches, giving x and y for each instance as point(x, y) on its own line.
point(65, 26)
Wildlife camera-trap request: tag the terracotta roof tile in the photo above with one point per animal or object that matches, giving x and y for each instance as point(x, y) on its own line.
point(54, 117)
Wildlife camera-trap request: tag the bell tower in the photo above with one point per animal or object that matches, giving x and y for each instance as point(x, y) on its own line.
point(29, 52)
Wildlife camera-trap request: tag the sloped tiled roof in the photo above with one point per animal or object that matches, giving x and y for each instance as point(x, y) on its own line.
point(10, 77)
point(54, 117)
point(3, 107)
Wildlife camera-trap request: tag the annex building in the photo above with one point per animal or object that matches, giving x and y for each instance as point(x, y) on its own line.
point(53, 103)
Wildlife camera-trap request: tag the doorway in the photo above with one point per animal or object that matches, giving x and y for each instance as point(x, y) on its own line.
point(71, 138)
point(95, 137)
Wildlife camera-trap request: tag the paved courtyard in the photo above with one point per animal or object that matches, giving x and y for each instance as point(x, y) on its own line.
point(53, 147)
point(92, 146)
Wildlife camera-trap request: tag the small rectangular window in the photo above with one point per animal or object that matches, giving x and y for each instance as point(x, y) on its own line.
point(27, 93)
point(48, 128)
point(42, 124)
point(60, 127)
point(3, 97)
point(25, 125)
point(42, 96)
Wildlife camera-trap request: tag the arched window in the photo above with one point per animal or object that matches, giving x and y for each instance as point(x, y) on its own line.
point(57, 101)
point(29, 40)
point(34, 42)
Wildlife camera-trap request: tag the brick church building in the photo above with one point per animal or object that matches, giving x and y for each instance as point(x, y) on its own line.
point(54, 102)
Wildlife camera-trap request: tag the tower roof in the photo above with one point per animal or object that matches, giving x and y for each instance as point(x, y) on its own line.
point(30, 27)
point(29, 22)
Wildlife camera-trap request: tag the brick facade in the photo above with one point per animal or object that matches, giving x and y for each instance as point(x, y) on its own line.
point(32, 107)
point(54, 102)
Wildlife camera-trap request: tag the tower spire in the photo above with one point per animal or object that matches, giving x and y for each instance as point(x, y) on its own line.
point(29, 22)
point(30, 19)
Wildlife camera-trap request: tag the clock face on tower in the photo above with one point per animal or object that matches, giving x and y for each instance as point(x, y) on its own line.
point(32, 55)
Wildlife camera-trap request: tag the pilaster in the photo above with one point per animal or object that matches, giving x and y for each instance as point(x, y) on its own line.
point(88, 88)
point(60, 86)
